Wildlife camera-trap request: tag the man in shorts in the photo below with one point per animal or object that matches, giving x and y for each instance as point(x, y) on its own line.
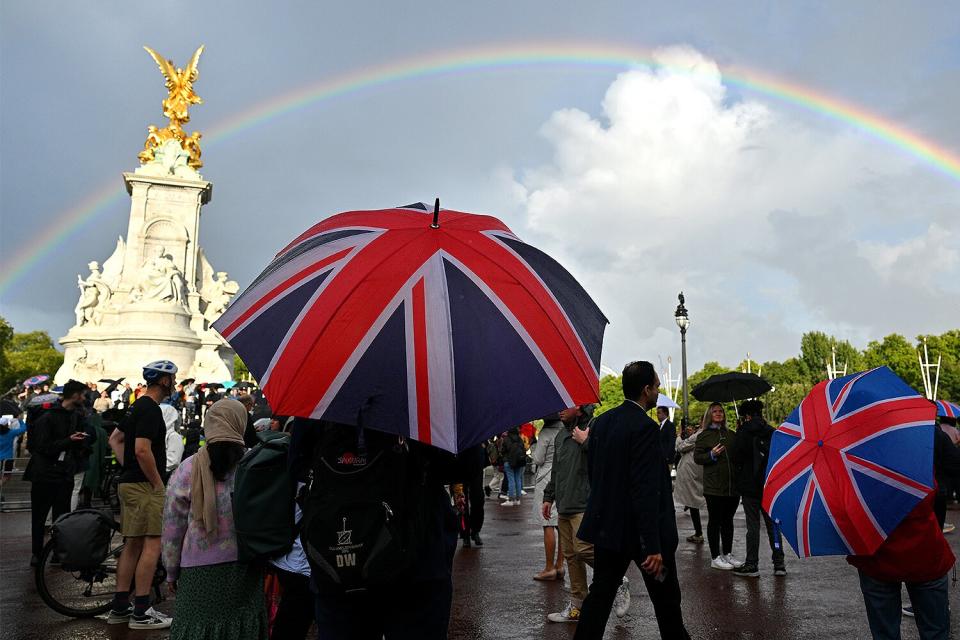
point(140, 445)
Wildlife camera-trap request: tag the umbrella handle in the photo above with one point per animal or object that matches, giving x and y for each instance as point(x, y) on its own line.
point(777, 539)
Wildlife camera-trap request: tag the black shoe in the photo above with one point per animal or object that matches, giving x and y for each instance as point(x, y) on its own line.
point(487, 491)
point(34, 561)
point(466, 543)
point(476, 540)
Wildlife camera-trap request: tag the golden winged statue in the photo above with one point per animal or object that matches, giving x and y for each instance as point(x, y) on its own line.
point(180, 96)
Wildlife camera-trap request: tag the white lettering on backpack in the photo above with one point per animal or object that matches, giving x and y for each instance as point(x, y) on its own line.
point(346, 560)
point(345, 535)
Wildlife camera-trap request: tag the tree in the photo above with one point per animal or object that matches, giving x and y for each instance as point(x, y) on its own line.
point(611, 393)
point(29, 354)
point(896, 352)
point(240, 370)
point(816, 350)
point(782, 400)
point(790, 371)
point(6, 335)
point(946, 348)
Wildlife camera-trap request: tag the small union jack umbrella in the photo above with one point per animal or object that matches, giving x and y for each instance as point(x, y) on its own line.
point(850, 463)
point(946, 409)
point(445, 329)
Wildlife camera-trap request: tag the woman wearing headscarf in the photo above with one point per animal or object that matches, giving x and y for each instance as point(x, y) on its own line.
point(217, 598)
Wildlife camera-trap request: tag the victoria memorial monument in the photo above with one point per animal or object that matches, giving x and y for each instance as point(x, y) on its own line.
point(157, 294)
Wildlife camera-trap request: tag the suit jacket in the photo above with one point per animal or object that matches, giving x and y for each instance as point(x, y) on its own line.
point(630, 508)
point(668, 441)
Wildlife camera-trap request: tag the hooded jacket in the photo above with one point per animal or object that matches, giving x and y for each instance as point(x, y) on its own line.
point(569, 484)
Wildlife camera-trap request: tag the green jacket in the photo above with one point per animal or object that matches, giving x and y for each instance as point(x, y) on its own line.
point(569, 484)
point(718, 475)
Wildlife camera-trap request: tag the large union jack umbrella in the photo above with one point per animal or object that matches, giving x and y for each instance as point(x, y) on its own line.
point(850, 463)
point(947, 409)
point(444, 334)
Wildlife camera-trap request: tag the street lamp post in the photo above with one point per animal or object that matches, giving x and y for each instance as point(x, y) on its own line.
point(683, 321)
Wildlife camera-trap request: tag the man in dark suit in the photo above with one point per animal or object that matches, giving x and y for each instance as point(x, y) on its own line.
point(668, 435)
point(630, 515)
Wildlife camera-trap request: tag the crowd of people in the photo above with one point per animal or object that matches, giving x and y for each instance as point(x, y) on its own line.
point(603, 497)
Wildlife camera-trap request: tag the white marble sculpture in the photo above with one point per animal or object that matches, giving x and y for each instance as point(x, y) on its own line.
point(157, 294)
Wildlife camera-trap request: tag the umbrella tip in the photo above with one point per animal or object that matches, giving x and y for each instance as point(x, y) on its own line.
point(436, 215)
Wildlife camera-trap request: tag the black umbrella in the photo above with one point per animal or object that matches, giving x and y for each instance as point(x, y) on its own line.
point(731, 387)
point(113, 383)
point(244, 385)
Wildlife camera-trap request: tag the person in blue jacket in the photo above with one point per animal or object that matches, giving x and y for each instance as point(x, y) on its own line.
point(11, 428)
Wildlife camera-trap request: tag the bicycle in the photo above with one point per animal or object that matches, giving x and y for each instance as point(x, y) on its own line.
point(85, 593)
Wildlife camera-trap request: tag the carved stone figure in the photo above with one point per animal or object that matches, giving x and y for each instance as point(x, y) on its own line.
point(94, 296)
point(218, 296)
point(162, 280)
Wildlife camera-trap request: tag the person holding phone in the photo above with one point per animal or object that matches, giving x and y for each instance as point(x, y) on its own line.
point(718, 486)
point(57, 443)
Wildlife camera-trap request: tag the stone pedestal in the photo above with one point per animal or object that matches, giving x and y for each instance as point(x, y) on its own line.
point(157, 294)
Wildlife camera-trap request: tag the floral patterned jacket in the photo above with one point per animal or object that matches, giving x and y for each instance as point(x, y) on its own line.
point(184, 541)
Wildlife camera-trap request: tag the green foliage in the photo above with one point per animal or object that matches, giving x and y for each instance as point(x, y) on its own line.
point(25, 355)
point(240, 371)
point(611, 393)
point(6, 335)
point(896, 352)
point(946, 345)
point(793, 378)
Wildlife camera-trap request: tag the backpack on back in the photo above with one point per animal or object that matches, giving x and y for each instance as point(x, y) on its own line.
point(362, 515)
point(263, 502)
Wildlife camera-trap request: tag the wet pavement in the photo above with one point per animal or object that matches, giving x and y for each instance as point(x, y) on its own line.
point(495, 597)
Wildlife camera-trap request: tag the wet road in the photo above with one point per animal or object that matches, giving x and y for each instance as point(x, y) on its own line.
point(496, 598)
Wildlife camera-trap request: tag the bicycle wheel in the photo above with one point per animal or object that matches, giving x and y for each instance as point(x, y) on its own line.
point(78, 594)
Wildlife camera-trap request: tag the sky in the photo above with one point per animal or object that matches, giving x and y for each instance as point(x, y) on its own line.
point(638, 143)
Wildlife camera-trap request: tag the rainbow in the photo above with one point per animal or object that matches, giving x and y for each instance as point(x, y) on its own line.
point(505, 56)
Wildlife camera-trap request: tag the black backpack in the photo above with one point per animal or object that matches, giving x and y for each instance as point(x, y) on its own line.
point(82, 538)
point(263, 501)
point(363, 510)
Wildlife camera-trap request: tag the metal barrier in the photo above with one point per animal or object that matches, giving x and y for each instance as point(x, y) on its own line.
point(15, 491)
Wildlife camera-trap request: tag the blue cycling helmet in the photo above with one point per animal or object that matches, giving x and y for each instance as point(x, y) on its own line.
point(156, 370)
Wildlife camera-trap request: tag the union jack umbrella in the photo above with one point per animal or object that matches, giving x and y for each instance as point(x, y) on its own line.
point(850, 463)
point(445, 329)
point(947, 409)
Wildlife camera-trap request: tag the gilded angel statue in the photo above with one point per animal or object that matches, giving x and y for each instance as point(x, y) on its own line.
point(179, 86)
point(180, 97)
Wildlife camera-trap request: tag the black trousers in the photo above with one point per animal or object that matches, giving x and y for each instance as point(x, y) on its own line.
point(473, 518)
point(295, 614)
point(609, 567)
point(720, 512)
point(45, 496)
point(410, 611)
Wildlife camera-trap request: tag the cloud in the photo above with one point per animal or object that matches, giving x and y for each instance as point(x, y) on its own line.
point(772, 227)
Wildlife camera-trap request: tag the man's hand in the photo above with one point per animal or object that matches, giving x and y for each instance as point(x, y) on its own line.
point(79, 436)
point(652, 564)
point(717, 450)
point(546, 509)
point(580, 435)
